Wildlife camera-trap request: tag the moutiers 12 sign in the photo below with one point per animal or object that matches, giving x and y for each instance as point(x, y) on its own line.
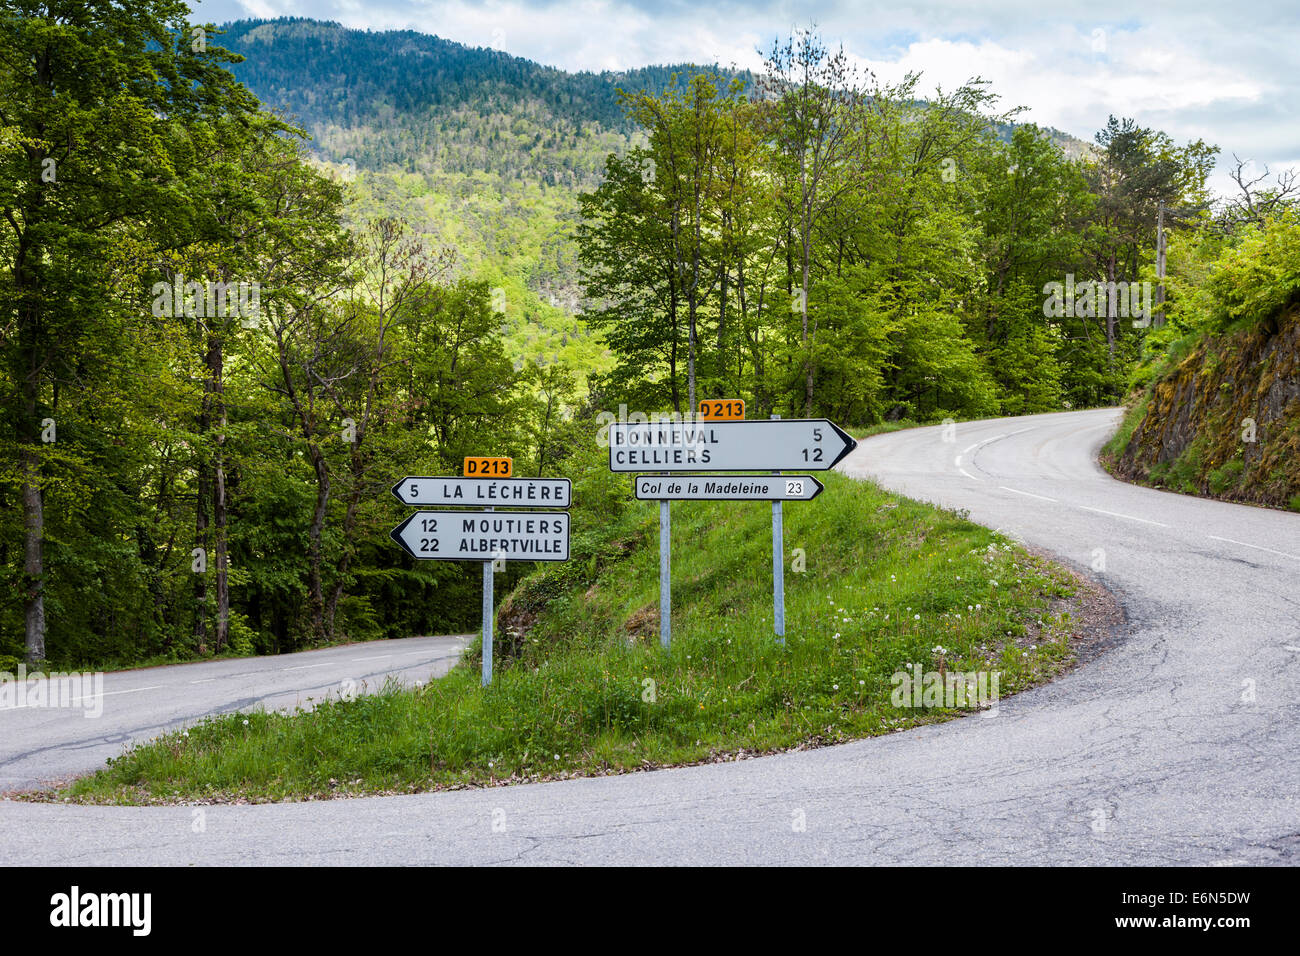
point(485, 536)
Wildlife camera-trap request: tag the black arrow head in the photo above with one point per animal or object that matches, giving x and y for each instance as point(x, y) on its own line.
point(400, 482)
point(819, 489)
point(850, 443)
point(396, 535)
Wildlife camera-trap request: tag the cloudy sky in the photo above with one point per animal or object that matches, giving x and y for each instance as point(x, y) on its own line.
point(1224, 72)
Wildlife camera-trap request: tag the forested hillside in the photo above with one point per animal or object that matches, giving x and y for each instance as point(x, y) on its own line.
point(418, 102)
point(221, 342)
point(482, 152)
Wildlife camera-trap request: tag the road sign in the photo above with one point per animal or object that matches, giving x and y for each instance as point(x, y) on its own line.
point(484, 492)
point(755, 445)
point(727, 488)
point(722, 409)
point(489, 467)
point(485, 536)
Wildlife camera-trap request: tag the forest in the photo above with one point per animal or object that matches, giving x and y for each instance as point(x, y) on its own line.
point(218, 353)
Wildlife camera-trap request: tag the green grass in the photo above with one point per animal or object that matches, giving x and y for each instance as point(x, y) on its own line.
point(1133, 417)
point(1181, 474)
point(884, 428)
point(1226, 477)
point(887, 582)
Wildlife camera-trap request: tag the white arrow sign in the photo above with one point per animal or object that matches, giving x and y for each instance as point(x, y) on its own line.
point(485, 492)
point(485, 536)
point(727, 488)
point(758, 444)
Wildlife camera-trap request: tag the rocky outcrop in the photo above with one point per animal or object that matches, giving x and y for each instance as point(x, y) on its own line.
point(1224, 421)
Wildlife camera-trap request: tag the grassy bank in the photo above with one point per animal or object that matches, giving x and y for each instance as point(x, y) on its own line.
point(886, 583)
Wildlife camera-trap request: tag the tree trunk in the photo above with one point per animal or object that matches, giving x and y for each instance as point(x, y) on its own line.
point(314, 545)
point(203, 480)
point(357, 473)
point(807, 340)
point(33, 551)
point(1110, 312)
point(690, 360)
point(216, 378)
point(672, 349)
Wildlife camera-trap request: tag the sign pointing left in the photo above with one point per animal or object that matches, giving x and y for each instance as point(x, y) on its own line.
point(485, 535)
point(484, 492)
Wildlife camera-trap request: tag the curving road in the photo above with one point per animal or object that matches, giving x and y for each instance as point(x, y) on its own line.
point(1178, 745)
point(39, 743)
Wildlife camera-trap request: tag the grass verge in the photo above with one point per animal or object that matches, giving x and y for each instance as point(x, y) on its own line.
point(876, 584)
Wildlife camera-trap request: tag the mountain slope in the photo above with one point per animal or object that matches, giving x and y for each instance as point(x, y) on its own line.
point(423, 102)
point(483, 152)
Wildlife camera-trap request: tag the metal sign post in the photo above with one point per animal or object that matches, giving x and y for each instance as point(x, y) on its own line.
point(487, 619)
point(722, 440)
point(665, 576)
point(485, 535)
point(778, 568)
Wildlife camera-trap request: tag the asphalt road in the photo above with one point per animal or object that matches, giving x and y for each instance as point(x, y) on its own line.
point(43, 743)
point(1177, 745)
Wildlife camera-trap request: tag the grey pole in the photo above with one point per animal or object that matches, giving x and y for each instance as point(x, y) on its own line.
point(778, 569)
point(487, 620)
point(665, 578)
point(1160, 264)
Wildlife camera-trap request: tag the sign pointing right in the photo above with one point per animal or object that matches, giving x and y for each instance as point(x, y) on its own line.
point(786, 444)
point(727, 488)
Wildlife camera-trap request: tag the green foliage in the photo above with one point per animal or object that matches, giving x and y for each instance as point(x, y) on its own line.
point(1133, 418)
point(1224, 358)
point(838, 249)
point(191, 482)
point(1182, 473)
point(221, 488)
point(1254, 280)
point(1224, 478)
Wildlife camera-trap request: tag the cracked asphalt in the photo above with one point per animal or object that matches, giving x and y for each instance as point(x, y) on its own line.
point(1177, 745)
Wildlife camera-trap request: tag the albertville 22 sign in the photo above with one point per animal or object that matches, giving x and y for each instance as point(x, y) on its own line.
point(485, 536)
